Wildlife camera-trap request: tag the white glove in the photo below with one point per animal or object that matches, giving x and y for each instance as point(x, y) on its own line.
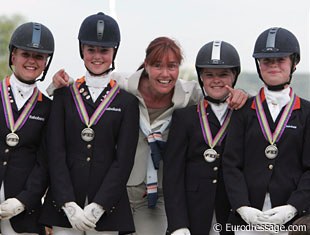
point(10, 208)
point(77, 218)
point(93, 212)
point(279, 214)
point(181, 231)
point(250, 214)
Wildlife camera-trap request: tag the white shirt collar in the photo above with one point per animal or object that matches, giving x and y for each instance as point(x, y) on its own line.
point(97, 81)
point(219, 110)
point(21, 91)
point(280, 98)
point(96, 84)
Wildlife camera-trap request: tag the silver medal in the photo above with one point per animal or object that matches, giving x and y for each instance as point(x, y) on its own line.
point(87, 134)
point(271, 151)
point(12, 139)
point(210, 155)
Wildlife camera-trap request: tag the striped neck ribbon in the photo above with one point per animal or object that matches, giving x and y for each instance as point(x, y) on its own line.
point(9, 118)
point(274, 137)
point(79, 103)
point(205, 127)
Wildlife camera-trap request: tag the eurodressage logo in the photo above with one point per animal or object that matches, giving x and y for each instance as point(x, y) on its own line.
point(274, 228)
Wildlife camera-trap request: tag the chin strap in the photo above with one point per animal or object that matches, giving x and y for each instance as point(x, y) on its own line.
point(25, 81)
point(99, 74)
point(46, 69)
point(216, 101)
point(277, 87)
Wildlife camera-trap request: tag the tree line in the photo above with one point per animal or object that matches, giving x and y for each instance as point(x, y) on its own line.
point(7, 26)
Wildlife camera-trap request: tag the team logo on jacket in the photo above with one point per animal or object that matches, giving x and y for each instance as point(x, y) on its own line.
point(42, 119)
point(114, 109)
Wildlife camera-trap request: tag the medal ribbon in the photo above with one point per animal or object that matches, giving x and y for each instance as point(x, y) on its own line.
point(8, 113)
point(205, 127)
point(79, 103)
point(273, 137)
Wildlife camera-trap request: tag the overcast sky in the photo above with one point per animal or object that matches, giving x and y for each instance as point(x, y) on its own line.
point(191, 22)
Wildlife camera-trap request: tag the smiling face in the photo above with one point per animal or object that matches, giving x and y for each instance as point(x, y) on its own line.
point(214, 81)
point(163, 73)
point(97, 59)
point(275, 71)
point(28, 65)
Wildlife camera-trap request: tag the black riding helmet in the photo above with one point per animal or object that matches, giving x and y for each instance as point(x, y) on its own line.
point(100, 30)
point(217, 54)
point(274, 43)
point(34, 37)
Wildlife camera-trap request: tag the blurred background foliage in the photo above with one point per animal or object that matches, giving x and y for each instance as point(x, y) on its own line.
point(7, 26)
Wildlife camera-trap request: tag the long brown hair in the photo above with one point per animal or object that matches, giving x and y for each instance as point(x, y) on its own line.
point(160, 47)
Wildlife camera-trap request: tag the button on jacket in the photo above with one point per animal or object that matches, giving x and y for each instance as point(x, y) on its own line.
point(249, 174)
point(193, 188)
point(98, 169)
point(23, 167)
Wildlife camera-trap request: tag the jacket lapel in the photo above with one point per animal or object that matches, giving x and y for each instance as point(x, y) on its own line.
point(272, 124)
point(212, 119)
point(102, 95)
point(85, 93)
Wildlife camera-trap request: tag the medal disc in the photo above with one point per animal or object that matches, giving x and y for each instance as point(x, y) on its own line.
point(210, 155)
point(87, 134)
point(12, 139)
point(271, 151)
